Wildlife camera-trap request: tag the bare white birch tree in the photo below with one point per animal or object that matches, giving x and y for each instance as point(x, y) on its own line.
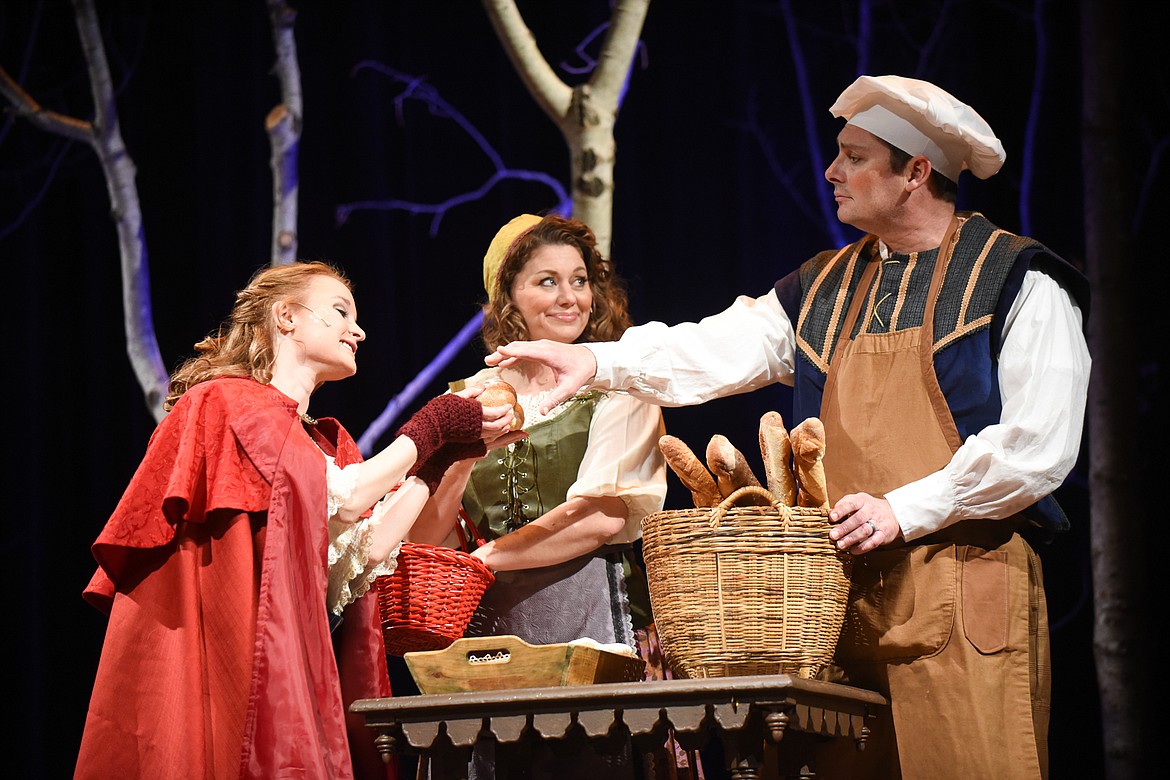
point(105, 137)
point(283, 125)
point(585, 114)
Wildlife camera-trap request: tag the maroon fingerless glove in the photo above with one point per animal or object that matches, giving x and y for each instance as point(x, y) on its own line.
point(431, 470)
point(448, 418)
point(444, 430)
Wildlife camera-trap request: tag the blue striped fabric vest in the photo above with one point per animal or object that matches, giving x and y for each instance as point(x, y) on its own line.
point(982, 280)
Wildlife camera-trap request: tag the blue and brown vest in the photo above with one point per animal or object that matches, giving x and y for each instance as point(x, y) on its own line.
point(982, 280)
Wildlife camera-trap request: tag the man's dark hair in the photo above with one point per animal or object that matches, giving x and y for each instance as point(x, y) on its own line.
point(940, 185)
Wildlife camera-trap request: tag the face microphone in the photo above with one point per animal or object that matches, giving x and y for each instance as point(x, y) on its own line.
point(323, 321)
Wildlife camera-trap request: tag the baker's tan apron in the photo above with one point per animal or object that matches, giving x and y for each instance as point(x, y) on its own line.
point(949, 625)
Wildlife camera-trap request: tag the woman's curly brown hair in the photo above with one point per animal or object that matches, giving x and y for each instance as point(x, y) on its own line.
point(243, 344)
point(609, 318)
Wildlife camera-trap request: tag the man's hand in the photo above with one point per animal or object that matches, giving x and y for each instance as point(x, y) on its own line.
point(573, 365)
point(864, 523)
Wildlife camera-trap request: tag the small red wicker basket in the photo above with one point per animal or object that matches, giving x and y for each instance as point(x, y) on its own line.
point(428, 601)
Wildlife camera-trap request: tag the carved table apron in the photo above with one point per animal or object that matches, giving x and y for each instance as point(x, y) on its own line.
point(743, 712)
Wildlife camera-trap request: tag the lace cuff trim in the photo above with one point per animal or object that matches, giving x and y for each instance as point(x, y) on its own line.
point(350, 575)
point(340, 482)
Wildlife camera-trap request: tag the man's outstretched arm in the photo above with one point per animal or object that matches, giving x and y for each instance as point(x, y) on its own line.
point(573, 365)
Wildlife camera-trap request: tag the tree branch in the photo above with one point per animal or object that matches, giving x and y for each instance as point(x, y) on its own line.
point(141, 345)
point(587, 117)
point(550, 93)
point(105, 138)
point(811, 134)
point(25, 107)
point(617, 51)
point(418, 89)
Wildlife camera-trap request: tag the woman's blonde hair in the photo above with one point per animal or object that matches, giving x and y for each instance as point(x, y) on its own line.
point(609, 318)
point(243, 344)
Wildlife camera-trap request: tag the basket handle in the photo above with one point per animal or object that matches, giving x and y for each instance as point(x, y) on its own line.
point(718, 513)
point(464, 520)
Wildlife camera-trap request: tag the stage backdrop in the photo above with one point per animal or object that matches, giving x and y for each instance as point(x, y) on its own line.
point(722, 138)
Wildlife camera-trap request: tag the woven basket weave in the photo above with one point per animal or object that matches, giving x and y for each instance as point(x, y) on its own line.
point(745, 590)
point(427, 603)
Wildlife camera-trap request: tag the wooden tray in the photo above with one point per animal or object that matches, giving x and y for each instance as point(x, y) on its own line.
point(490, 663)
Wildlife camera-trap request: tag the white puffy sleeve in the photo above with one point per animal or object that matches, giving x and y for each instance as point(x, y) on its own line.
point(749, 345)
point(350, 574)
point(1044, 370)
point(623, 460)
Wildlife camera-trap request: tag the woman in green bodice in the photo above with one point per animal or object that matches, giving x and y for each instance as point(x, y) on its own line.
point(560, 507)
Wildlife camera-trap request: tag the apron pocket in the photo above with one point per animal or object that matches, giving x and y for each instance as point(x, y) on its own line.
point(902, 604)
point(985, 598)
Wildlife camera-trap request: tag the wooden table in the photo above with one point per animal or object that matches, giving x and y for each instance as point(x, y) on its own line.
point(744, 712)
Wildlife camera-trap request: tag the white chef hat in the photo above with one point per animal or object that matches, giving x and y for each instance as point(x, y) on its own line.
point(919, 118)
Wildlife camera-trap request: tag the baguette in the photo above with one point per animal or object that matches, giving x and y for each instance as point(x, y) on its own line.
point(731, 469)
point(776, 450)
point(808, 448)
point(690, 471)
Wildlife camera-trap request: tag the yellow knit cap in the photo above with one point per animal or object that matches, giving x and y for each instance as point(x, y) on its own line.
point(499, 247)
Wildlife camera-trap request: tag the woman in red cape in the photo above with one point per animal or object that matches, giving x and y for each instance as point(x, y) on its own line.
point(248, 530)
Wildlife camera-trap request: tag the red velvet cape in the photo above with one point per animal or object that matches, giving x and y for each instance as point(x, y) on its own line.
point(218, 661)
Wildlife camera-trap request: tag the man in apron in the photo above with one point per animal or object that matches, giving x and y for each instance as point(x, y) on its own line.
point(947, 360)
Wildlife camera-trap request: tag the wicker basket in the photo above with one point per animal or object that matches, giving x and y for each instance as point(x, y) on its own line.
point(745, 590)
point(428, 601)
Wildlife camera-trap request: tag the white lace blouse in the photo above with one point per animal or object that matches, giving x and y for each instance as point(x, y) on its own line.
point(350, 573)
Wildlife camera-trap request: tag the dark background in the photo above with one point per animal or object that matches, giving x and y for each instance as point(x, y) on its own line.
point(717, 194)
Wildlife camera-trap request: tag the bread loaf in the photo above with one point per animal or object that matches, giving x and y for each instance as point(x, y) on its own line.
point(731, 469)
point(776, 450)
point(500, 393)
point(808, 448)
point(690, 470)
